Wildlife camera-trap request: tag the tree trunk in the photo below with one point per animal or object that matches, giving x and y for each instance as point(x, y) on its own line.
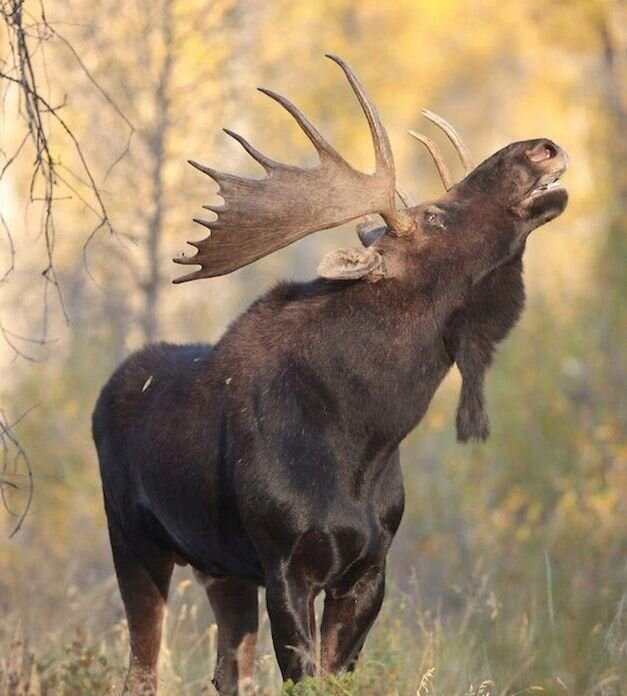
point(611, 277)
point(156, 140)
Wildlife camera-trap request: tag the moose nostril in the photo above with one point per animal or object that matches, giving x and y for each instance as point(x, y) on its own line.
point(542, 152)
point(551, 150)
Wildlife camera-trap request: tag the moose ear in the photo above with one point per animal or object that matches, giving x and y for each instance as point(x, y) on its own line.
point(351, 264)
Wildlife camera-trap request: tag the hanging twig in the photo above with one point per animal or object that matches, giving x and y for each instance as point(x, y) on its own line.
point(15, 471)
point(39, 115)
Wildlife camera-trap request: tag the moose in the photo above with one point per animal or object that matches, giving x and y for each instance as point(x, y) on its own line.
point(272, 458)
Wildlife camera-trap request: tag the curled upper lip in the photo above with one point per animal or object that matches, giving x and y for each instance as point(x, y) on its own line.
point(546, 181)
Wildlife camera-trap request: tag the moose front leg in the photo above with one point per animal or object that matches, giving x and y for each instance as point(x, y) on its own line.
point(290, 604)
point(347, 619)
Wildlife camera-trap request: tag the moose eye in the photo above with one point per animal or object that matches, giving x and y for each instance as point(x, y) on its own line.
point(434, 220)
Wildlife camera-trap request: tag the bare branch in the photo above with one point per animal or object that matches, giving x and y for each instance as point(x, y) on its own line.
point(27, 35)
point(16, 475)
point(11, 265)
point(25, 72)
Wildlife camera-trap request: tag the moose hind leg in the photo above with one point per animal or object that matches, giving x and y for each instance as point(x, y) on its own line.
point(144, 579)
point(235, 607)
point(347, 619)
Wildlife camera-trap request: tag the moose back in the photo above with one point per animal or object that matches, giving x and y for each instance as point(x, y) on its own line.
point(271, 459)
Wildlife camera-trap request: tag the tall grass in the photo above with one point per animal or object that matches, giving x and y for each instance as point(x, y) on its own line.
point(483, 649)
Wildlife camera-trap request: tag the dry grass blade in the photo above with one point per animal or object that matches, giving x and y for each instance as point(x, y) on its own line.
point(425, 688)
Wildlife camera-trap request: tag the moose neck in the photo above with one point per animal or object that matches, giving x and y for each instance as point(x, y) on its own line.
point(384, 353)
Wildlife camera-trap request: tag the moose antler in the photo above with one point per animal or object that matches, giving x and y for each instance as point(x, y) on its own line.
point(454, 137)
point(260, 216)
point(437, 158)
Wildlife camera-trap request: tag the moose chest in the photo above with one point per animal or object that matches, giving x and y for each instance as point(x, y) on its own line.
point(330, 525)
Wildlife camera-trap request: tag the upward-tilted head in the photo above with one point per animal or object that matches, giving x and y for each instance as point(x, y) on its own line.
point(491, 210)
point(519, 182)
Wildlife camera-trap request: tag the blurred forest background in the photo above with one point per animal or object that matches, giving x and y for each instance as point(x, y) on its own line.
point(509, 573)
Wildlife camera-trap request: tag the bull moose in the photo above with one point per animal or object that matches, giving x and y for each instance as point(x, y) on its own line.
point(272, 458)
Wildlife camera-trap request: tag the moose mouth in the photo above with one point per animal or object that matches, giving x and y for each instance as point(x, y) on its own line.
point(546, 200)
point(547, 184)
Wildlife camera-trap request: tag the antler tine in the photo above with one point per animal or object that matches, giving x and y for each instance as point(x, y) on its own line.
point(318, 141)
point(382, 149)
point(384, 159)
point(215, 174)
point(437, 158)
point(264, 161)
point(454, 137)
